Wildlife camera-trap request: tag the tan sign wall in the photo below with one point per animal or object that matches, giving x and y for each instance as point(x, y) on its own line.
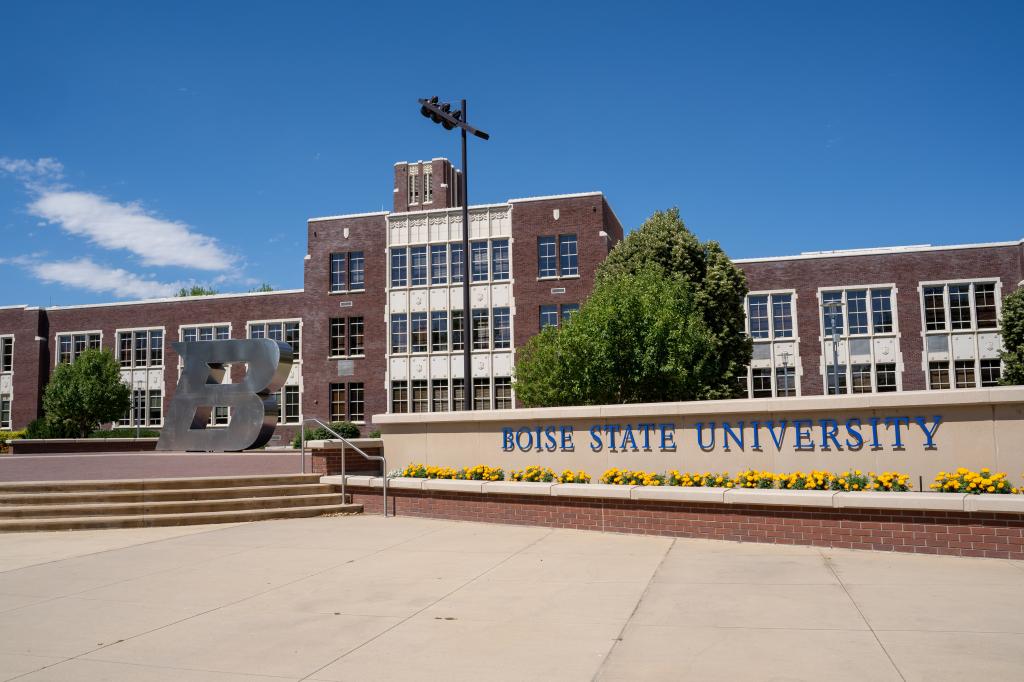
point(919, 433)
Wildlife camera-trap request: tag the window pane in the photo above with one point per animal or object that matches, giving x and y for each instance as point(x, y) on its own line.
point(338, 275)
point(785, 381)
point(291, 405)
point(418, 260)
point(861, 379)
point(568, 309)
point(832, 312)
point(156, 347)
point(457, 328)
point(881, 310)
point(885, 377)
point(356, 271)
point(499, 259)
point(985, 305)
point(337, 337)
point(439, 395)
point(439, 264)
point(548, 316)
point(222, 333)
point(481, 329)
point(439, 331)
point(479, 261)
point(291, 337)
point(399, 267)
point(782, 315)
point(964, 373)
point(414, 189)
point(124, 345)
point(938, 375)
point(338, 402)
point(458, 259)
point(418, 326)
point(141, 349)
point(481, 393)
point(960, 306)
point(399, 333)
point(502, 393)
point(991, 370)
point(399, 397)
point(355, 336)
point(934, 309)
point(428, 186)
point(356, 402)
point(502, 327)
point(757, 313)
point(458, 395)
point(547, 262)
point(420, 399)
point(761, 382)
point(830, 373)
point(857, 311)
point(568, 255)
point(7, 354)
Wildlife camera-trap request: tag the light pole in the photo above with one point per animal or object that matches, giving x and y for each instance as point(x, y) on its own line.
point(785, 370)
point(833, 308)
point(440, 112)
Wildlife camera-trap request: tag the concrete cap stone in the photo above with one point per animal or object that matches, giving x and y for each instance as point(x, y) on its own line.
point(787, 498)
point(406, 483)
point(677, 493)
point(620, 492)
point(995, 503)
point(894, 500)
point(447, 485)
point(517, 488)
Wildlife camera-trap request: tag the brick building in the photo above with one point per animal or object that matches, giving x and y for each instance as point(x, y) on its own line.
point(379, 324)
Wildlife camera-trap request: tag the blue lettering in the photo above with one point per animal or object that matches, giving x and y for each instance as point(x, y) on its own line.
point(612, 430)
point(540, 446)
point(595, 438)
point(829, 429)
point(566, 432)
point(757, 435)
point(803, 433)
point(549, 435)
point(700, 436)
point(782, 432)
point(668, 436)
point(855, 432)
point(929, 433)
point(875, 445)
point(508, 443)
point(727, 432)
point(895, 423)
point(529, 439)
point(627, 434)
point(647, 434)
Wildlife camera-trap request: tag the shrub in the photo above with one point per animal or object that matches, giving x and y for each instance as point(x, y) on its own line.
point(973, 483)
point(798, 480)
point(43, 428)
point(85, 393)
point(345, 429)
point(626, 477)
point(374, 434)
point(755, 479)
point(533, 474)
point(125, 433)
point(890, 481)
point(8, 436)
point(849, 480)
point(568, 476)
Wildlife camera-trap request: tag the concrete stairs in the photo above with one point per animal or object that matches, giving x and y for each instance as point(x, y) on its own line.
point(74, 505)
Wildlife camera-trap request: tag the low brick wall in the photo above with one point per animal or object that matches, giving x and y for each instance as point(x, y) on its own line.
point(81, 445)
point(326, 457)
point(955, 533)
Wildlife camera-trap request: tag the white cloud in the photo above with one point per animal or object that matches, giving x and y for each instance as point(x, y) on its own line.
point(40, 168)
point(112, 225)
point(84, 273)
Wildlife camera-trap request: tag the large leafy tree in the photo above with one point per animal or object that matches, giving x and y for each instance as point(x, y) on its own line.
point(85, 393)
point(1012, 328)
point(719, 290)
point(640, 337)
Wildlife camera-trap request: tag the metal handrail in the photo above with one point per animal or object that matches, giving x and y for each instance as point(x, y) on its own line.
point(344, 442)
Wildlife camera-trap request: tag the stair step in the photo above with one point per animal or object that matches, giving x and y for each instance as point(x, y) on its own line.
point(117, 496)
point(159, 483)
point(173, 507)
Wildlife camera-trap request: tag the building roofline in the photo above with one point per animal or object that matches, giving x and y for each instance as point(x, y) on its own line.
point(878, 251)
point(13, 307)
point(558, 196)
point(429, 211)
point(175, 299)
point(347, 215)
point(436, 158)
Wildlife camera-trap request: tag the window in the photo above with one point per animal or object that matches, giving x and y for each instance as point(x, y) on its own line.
point(356, 336)
point(761, 382)
point(206, 333)
point(146, 409)
point(938, 375)
point(399, 397)
point(963, 373)
point(347, 403)
point(414, 189)
point(356, 271)
point(5, 412)
point(568, 256)
point(458, 259)
point(418, 332)
point(70, 346)
point(337, 337)
point(6, 353)
point(832, 312)
point(481, 393)
point(287, 331)
point(481, 329)
point(881, 311)
point(499, 259)
point(348, 272)
point(399, 267)
point(338, 402)
point(439, 395)
point(885, 377)
point(420, 399)
point(830, 374)
point(356, 402)
point(502, 393)
point(857, 312)
point(861, 378)
point(457, 330)
point(785, 382)
point(289, 405)
point(428, 185)
point(339, 272)
point(985, 305)
point(547, 262)
point(568, 309)
point(439, 264)
point(478, 261)
point(502, 327)
point(934, 309)
point(141, 348)
point(991, 371)
point(757, 315)
point(782, 315)
point(418, 265)
point(960, 306)
point(399, 333)
point(458, 395)
point(548, 316)
point(439, 331)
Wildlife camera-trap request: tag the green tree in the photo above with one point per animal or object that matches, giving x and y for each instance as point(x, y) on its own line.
point(261, 289)
point(639, 338)
point(84, 394)
point(1012, 328)
point(195, 290)
point(719, 290)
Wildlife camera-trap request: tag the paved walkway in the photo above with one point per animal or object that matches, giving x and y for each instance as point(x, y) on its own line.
point(367, 598)
point(111, 466)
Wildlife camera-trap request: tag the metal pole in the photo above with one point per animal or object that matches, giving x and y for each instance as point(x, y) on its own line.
point(835, 349)
point(467, 318)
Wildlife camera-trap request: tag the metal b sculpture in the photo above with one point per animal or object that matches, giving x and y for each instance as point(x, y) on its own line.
point(254, 410)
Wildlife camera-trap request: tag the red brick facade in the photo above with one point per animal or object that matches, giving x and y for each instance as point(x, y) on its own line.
point(974, 534)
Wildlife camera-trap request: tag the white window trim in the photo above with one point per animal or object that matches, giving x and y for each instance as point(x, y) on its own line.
point(825, 342)
point(949, 332)
point(148, 365)
point(56, 342)
point(773, 341)
point(9, 372)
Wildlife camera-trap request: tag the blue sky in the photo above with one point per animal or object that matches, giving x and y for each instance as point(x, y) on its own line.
point(189, 142)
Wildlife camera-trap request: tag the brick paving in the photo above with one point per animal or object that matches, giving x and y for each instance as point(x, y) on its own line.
point(113, 466)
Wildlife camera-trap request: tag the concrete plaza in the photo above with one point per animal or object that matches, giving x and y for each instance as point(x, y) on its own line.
point(367, 598)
